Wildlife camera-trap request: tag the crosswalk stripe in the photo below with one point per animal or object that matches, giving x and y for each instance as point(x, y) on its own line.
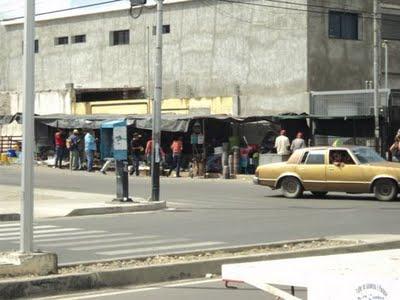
point(81, 236)
point(133, 244)
point(148, 249)
point(17, 229)
point(10, 225)
point(99, 241)
point(47, 235)
point(41, 231)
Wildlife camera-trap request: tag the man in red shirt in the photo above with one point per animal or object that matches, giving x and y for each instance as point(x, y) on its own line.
point(60, 148)
point(176, 147)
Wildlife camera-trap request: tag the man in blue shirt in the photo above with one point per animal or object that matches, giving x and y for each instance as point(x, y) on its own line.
point(90, 148)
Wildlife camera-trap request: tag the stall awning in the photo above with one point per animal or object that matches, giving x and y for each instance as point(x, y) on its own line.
point(171, 123)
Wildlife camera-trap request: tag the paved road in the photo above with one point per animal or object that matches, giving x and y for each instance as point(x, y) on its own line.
point(195, 290)
point(208, 214)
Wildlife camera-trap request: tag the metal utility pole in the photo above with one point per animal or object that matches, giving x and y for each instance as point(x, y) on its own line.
point(26, 243)
point(385, 46)
point(156, 134)
point(376, 75)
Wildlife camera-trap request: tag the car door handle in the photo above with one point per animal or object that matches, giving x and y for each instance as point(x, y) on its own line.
point(331, 169)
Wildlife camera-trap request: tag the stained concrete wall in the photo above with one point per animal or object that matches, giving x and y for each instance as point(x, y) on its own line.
point(214, 49)
point(337, 64)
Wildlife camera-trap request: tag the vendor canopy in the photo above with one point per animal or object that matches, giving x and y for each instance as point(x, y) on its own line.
point(171, 123)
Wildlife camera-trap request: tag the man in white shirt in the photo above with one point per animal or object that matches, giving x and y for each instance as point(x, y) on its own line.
point(282, 144)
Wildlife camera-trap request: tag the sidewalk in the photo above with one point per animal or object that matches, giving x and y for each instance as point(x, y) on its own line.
point(51, 203)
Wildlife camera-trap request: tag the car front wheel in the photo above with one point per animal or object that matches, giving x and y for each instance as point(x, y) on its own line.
point(385, 190)
point(291, 187)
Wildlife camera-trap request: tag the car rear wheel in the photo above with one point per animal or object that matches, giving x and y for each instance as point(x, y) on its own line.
point(319, 194)
point(291, 187)
point(385, 190)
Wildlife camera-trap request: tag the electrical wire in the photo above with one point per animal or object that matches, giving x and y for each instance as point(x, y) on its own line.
point(371, 17)
point(68, 9)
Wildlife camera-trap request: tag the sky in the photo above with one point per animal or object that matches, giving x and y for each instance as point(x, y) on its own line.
point(14, 8)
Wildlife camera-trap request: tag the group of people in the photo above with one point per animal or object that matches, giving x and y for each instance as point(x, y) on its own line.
point(80, 147)
point(283, 145)
point(137, 150)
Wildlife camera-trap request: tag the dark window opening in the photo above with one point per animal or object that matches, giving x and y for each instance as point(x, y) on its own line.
point(390, 27)
point(76, 39)
point(340, 156)
point(63, 40)
point(110, 94)
point(36, 49)
point(120, 37)
point(166, 29)
point(343, 25)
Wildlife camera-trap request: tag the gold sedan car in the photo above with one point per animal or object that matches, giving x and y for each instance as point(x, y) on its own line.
point(332, 169)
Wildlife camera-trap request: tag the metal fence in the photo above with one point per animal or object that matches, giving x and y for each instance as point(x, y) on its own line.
point(347, 103)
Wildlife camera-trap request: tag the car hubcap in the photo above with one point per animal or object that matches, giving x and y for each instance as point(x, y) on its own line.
point(385, 190)
point(290, 186)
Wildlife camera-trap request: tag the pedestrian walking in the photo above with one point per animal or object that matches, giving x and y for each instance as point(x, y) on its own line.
point(73, 150)
point(282, 143)
point(90, 149)
point(136, 149)
point(395, 148)
point(148, 152)
point(177, 148)
point(81, 151)
point(298, 142)
point(59, 149)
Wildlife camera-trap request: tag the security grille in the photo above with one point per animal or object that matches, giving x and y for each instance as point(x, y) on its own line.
point(346, 103)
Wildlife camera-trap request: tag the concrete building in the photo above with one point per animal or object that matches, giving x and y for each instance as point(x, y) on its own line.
point(243, 59)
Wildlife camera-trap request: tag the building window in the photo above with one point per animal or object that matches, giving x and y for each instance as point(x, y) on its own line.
point(120, 37)
point(343, 25)
point(390, 27)
point(36, 49)
point(77, 39)
point(36, 46)
point(166, 29)
point(63, 40)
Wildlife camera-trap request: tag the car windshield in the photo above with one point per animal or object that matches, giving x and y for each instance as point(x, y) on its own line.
point(367, 155)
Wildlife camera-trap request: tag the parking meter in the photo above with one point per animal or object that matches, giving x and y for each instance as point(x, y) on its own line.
point(114, 145)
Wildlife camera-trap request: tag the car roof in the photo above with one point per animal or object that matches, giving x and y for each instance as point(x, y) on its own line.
point(345, 147)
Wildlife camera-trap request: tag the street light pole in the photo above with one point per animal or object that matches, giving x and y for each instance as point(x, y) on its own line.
point(385, 46)
point(376, 75)
point(26, 242)
point(156, 134)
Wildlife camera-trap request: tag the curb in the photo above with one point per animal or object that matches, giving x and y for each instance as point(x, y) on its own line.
point(118, 208)
point(57, 284)
point(9, 217)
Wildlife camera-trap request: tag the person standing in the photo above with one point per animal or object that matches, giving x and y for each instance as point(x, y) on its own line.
point(136, 149)
point(90, 148)
point(81, 151)
point(148, 153)
point(298, 142)
point(60, 148)
point(73, 148)
point(282, 143)
point(177, 148)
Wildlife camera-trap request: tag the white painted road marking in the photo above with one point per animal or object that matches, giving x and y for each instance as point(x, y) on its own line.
point(172, 247)
point(103, 240)
point(131, 244)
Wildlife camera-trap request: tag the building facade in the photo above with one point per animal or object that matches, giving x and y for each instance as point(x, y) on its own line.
point(247, 58)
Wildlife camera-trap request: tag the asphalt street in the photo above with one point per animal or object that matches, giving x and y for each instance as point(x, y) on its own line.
point(193, 290)
point(203, 214)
